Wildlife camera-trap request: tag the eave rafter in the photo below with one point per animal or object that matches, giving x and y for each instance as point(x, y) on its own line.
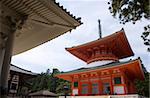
point(39, 8)
point(50, 7)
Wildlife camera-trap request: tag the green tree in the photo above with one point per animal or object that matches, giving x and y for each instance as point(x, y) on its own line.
point(41, 82)
point(143, 86)
point(145, 36)
point(57, 85)
point(47, 81)
point(132, 11)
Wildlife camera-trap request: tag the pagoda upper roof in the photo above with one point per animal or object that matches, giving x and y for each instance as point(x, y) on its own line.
point(117, 43)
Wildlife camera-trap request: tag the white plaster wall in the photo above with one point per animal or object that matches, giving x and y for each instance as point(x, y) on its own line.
point(106, 96)
point(119, 89)
point(98, 63)
point(75, 91)
point(85, 97)
point(41, 97)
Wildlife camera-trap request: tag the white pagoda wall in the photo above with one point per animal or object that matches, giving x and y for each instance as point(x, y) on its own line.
point(98, 63)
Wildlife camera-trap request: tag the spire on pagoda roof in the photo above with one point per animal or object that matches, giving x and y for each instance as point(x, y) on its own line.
point(100, 31)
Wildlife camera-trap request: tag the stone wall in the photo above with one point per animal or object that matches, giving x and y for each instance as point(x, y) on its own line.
point(106, 96)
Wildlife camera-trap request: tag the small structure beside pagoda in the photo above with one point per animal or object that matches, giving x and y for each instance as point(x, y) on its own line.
point(104, 73)
point(43, 94)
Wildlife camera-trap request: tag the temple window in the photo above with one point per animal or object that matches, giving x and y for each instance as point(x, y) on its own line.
point(75, 84)
point(13, 86)
point(15, 78)
point(95, 88)
point(106, 88)
point(117, 80)
point(84, 89)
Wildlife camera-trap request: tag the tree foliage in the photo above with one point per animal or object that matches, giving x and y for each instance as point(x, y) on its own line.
point(143, 86)
point(132, 11)
point(146, 37)
point(47, 81)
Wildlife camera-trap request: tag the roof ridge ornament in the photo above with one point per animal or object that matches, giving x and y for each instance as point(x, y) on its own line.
point(99, 26)
point(122, 29)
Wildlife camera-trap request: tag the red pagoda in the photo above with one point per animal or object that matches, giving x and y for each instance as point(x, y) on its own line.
point(104, 73)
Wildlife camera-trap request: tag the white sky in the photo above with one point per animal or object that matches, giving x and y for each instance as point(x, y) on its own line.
point(53, 54)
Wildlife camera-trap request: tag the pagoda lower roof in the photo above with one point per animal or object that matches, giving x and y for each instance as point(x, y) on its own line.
point(128, 65)
point(116, 43)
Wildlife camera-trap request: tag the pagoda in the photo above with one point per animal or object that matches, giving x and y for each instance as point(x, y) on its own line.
point(104, 72)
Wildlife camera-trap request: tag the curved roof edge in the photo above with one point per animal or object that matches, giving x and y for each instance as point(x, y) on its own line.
point(21, 70)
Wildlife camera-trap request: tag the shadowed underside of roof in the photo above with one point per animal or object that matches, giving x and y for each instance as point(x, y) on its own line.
point(45, 21)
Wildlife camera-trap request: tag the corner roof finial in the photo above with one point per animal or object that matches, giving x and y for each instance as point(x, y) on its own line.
point(122, 29)
point(100, 32)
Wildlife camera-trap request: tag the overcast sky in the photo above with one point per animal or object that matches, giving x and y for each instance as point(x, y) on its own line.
point(53, 54)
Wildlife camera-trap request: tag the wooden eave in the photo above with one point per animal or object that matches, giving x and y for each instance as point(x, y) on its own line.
point(46, 20)
point(119, 45)
point(19, 70)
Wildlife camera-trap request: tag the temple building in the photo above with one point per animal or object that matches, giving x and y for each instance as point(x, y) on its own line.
point(26, 24)
point(105, 72)
point(17, 78)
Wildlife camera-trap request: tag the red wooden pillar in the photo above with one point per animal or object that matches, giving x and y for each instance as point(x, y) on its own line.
point(125, 91)
point(111, 84)
point(89, 85)
point(100, 85)
point(124, 85)
point(123, 80)
point(72, 86)
point(79, 85)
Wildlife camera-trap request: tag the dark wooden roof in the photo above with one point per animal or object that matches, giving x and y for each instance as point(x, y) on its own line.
point(43, 93)
point(68, 12)
point(21, 70)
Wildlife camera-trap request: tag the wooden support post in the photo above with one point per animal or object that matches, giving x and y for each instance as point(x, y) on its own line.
point(7, 30)
point(100, 84)
point(111, 85)
point(2, 50)
point(123, 80)
point(6, 64)
point(89, 85)
point(72, 85)
point(9, 22)
point(79, 85)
